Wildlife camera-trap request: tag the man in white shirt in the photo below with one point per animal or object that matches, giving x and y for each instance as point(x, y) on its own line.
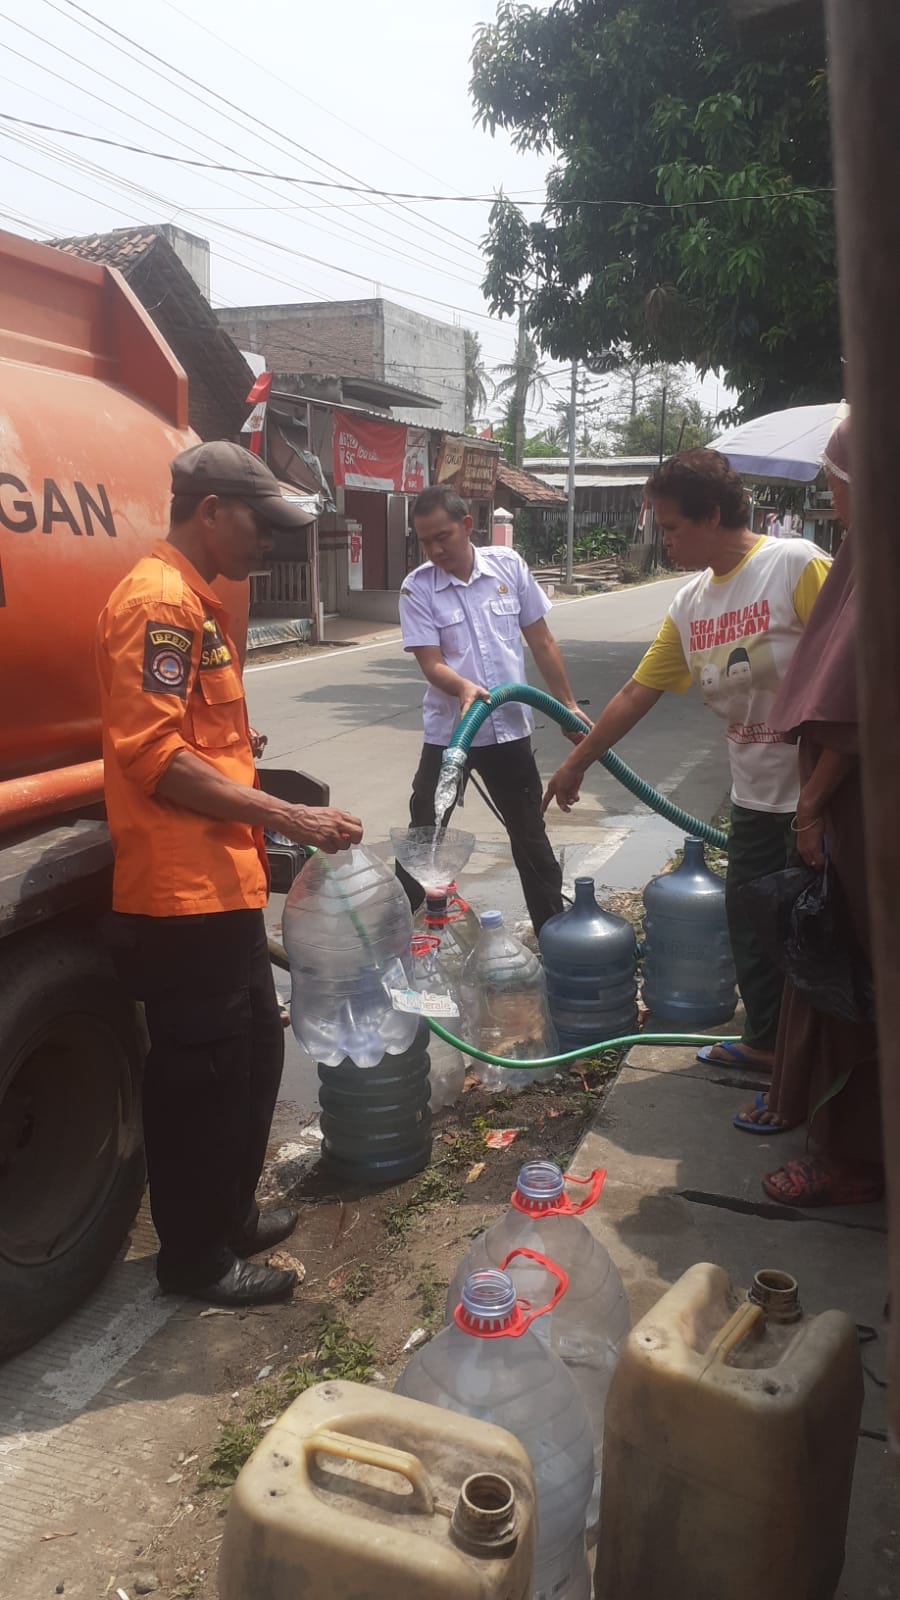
point(463, 615)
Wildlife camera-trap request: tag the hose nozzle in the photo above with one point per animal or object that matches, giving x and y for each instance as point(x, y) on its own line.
point(449, 784)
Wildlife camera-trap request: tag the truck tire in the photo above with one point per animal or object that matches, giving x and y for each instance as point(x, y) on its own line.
point(71, 1154)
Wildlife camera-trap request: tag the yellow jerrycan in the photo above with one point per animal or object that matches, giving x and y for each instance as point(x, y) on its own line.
point(729, 1445)
point(358, 1494)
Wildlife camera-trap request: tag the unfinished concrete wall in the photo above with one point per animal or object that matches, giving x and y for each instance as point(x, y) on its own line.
point(422, 353)
point(366, 339)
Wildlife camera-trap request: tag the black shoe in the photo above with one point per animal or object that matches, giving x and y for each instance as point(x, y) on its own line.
point(272, 1227)
point(244, 1285)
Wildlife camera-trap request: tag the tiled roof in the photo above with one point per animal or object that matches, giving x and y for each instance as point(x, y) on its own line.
point(123, 248)
point(527, 487)
point(219, 378)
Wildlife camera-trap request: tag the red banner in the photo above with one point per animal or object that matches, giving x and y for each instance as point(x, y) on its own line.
point(368, 454)
point(258, 398)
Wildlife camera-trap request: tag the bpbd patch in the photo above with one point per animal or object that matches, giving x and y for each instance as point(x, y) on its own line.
point(214, 652)
point(167, 659)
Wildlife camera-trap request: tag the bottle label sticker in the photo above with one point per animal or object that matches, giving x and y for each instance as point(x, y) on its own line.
point(424, 1005)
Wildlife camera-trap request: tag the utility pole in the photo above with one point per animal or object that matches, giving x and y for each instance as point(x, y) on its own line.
point(520, 392)
point(662, 424)
point(573, 443)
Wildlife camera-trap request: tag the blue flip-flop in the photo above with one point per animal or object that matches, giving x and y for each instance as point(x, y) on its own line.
point(737, 1057)
point(746, 1126)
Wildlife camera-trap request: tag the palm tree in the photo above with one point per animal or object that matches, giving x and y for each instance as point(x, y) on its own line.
point(476, 377)
point(525, 382)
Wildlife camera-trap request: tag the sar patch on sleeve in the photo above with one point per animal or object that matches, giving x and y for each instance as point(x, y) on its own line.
point(167, 659)
point(214, 652)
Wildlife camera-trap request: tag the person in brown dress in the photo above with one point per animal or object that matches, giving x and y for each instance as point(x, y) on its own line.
point(826, 1069)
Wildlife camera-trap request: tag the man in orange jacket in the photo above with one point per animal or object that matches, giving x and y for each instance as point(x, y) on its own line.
point(187, 818)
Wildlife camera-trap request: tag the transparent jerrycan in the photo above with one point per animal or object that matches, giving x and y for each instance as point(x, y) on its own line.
point(587, 1327)
point(358, 1494)
point(728, 1452)
point(490, 1365)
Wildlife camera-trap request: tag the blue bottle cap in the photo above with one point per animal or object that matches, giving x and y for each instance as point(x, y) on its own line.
point(492, 919)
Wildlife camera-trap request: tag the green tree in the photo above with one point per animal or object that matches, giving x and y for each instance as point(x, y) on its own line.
point(636, 433)
point(689, 213)
point(476, 377)
point(522, 381)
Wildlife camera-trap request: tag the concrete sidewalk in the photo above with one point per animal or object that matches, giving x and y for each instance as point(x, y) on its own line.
point(684, 1187)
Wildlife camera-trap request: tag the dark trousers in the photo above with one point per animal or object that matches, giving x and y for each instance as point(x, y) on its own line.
point(211, 1079)
point(760, 842)
point(510, 775)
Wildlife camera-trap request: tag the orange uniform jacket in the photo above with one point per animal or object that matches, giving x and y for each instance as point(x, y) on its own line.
point(170, 680)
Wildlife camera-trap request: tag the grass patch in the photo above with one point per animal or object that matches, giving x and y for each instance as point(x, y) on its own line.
point(432, 1292)
point(338, 1354)
point(358, 1284)
point(236, 1444)
point(435, 1189)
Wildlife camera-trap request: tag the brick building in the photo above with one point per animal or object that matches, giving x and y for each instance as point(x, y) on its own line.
point(168, 270)
point(363, 340)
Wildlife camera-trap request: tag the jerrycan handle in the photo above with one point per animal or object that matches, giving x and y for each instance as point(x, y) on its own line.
point(562, 1283)
point(369, 1454)
point(563, 1206)
point(740, 1325)
point(596, 1180)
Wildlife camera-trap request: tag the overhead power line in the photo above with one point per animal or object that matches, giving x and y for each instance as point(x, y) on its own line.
point(394, 237)
point(402, 194)
point(205, 90)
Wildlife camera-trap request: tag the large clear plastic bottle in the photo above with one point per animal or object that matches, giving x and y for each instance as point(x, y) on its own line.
point(588, 1326)
point(457, 923)
point(438, 958)
point(347, 929)
point(490, 1364)
point(504, 1007)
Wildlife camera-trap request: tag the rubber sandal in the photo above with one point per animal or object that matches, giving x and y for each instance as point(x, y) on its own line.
point(746, 1125)
point(738, 1058)
point(812, 1183)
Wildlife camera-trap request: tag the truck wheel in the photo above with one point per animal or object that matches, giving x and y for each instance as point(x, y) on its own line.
point(71, 1156)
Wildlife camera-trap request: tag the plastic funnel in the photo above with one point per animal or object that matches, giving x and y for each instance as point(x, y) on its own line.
point(434, 856)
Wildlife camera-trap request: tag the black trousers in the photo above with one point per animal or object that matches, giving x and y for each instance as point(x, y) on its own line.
point(510, 775)
point(760, 842)
point(211, 1079)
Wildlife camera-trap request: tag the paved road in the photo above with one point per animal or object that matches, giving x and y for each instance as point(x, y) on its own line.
point(352, 716)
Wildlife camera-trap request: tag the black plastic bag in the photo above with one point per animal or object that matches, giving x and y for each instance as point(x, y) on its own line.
point(801, 918)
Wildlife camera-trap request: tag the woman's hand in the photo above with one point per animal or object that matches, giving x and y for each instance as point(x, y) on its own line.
point(810, 832)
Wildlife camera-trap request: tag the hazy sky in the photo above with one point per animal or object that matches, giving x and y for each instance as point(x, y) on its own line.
point(286, 87)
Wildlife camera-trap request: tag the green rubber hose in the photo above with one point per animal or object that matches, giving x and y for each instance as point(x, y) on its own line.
point(570, 723)
point(278, 958)
point(624, 1042)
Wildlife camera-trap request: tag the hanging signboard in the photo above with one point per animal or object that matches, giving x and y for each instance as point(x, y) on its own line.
point(415, 468)
point(469, 468)
point(368, 454)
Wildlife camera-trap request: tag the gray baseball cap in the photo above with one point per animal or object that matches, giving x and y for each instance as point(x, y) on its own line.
point(228, 469)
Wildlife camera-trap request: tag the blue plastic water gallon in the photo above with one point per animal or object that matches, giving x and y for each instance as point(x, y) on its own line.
point(591, 969)
point(376, 1122)
point(689, 977)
